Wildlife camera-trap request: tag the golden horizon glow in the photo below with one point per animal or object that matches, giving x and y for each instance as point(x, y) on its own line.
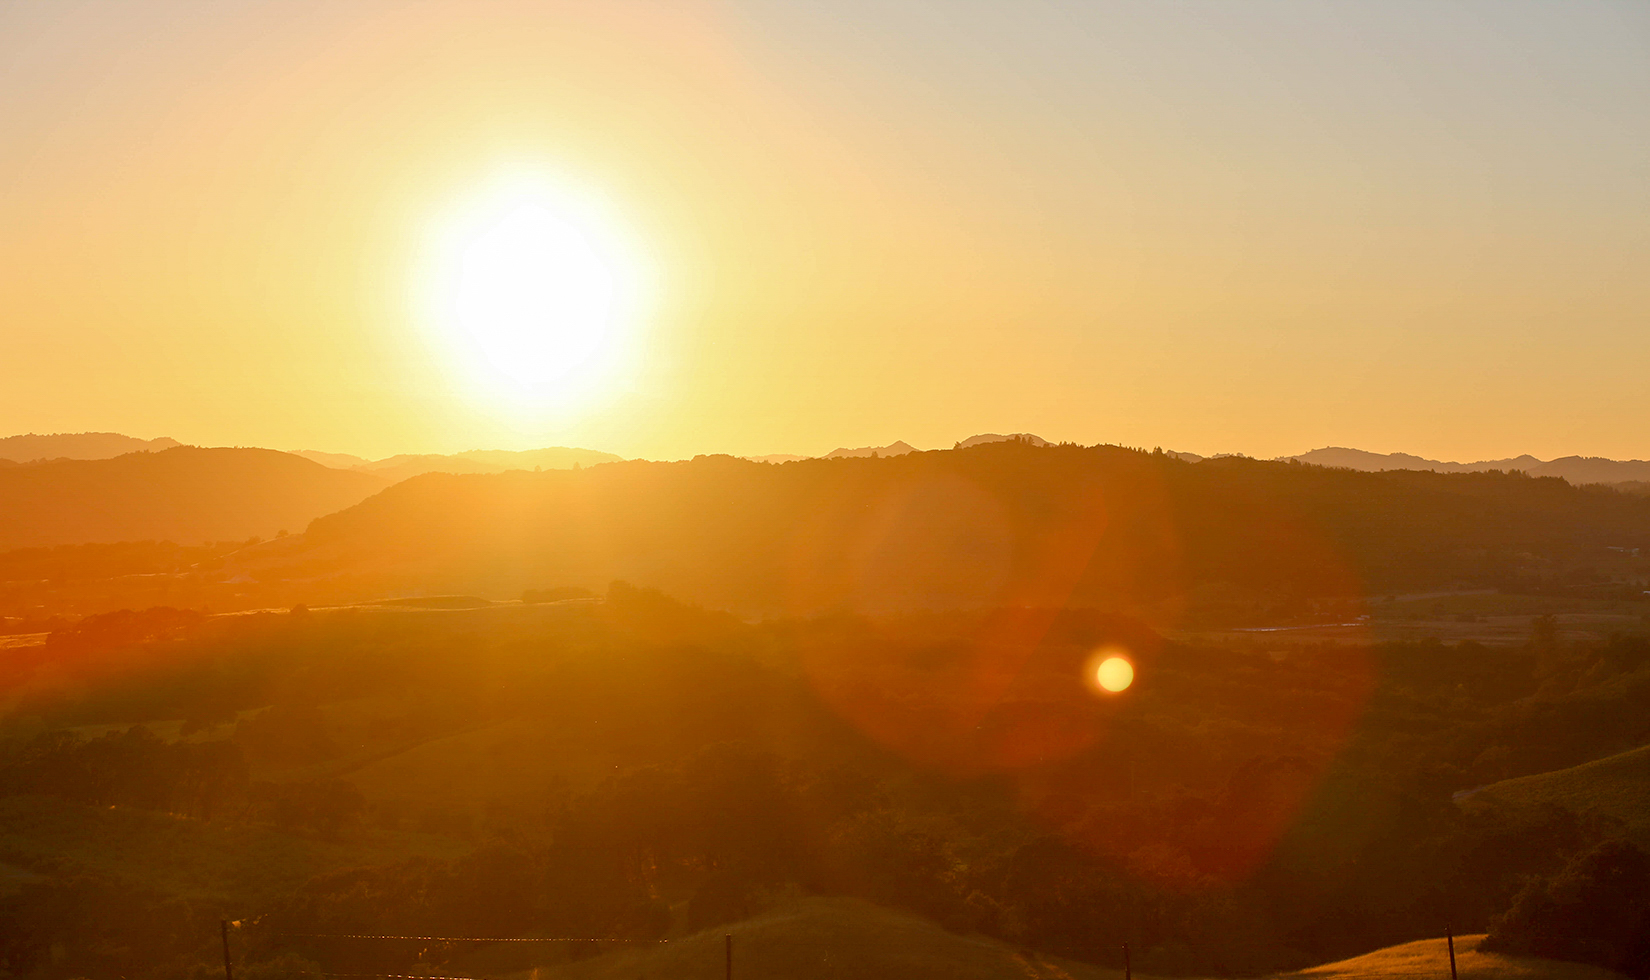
point(826, 225)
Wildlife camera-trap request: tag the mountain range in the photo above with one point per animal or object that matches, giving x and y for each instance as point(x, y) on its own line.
point(165, 491)
point(1004, 523)
point(398, 468)
point(106, 445)
point(190, 495)
point(863, 452)
point(1575, 469)
point(80, 445)
point(897, 448)
point(183, 494)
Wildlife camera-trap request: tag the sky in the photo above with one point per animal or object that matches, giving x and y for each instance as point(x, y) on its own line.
point(1213, 227)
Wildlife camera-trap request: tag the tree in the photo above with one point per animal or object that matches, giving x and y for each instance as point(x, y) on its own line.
point(1595, 910)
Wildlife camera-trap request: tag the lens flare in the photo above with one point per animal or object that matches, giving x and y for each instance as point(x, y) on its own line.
point(1115, 674)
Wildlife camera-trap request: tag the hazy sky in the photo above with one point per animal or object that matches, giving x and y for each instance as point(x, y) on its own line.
point(1249, 227)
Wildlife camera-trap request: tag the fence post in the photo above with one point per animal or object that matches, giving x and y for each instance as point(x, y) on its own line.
point(727, 943)
point(223, 929)
point(1128, 969)
point(1449, 937)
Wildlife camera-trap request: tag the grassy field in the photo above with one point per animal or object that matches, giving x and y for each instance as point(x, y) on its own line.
point(848, 939)
point(1618, 786)
point(1430, 958)
point(810, 939)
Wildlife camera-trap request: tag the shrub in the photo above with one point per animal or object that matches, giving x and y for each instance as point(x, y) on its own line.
point(1595, 910)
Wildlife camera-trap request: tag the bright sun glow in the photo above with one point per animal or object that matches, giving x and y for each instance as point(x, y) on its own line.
point(1115, 674)
point(534, 286)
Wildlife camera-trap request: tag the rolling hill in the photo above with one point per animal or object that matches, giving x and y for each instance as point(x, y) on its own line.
point(1430, 958)
point(1617, 786)
point(828, 939)
point(397, 468)
point(846, 939)
point(892, 449)
point(990, 437)
point(78, 445)
point(186, 495)
point(1004, 522)
point(1576, 469)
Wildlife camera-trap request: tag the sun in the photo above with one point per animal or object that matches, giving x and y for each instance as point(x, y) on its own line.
point(1115, 674)
point(533, 286)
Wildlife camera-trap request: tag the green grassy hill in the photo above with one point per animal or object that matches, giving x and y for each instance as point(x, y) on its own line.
point(1617, 786)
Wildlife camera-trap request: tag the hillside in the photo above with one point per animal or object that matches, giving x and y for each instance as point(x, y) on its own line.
point(1233, 540)
point(990, 437)
point(849, 939)
point(632, 768)
point(337, 461)
point(892, 449)
point(1578, 470)
point(1617, 786)
point(79, 445)
point(397, 468)
point(196, 860)
point(1430, 958)
point(827, 939)
point(186, 495)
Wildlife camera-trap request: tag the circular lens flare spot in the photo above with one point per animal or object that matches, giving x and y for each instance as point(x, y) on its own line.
point(1115, 674)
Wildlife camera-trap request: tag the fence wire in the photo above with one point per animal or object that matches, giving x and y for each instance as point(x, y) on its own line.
point(765, 948)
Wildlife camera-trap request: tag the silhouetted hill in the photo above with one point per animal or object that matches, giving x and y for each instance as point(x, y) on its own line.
point(989, 437)
point(1594, 469)
point(187, 495)
point(1575, 469)
point(80, 445)
point(398, 468)
point(1000, 523)
point(337, 461)
point(892, 449)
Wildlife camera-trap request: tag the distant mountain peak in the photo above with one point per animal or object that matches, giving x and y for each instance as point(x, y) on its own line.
point(185, 494)
point(990, 437)
point(1575, 469)
point(337, 461)
point(898, 448)
point(408, 465)
point(78, 445)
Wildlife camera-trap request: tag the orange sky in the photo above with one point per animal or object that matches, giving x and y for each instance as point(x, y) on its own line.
point(1253, 228)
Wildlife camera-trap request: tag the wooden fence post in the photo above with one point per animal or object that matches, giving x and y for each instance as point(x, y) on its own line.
point(223, 929)
point(1449, 937)
point(727, 942)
